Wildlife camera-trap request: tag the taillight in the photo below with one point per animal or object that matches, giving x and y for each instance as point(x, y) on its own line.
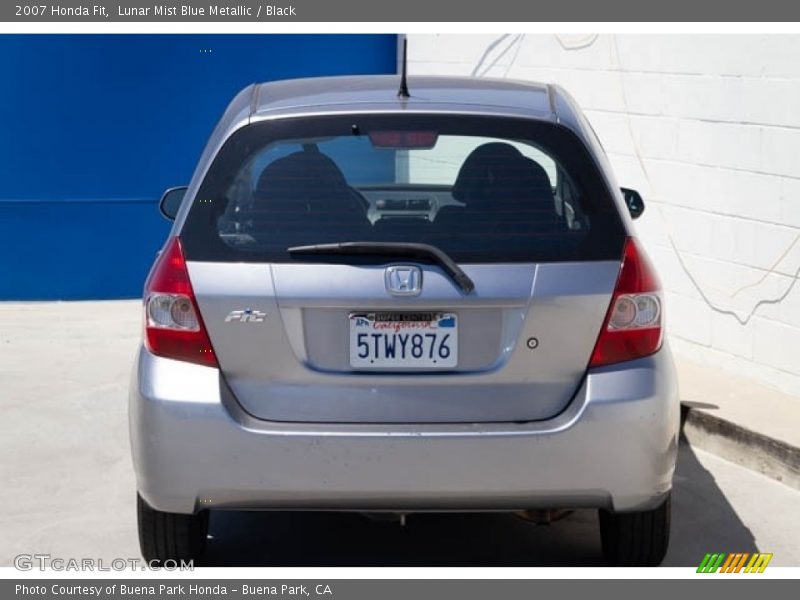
point(633, 325)
point(173, 326)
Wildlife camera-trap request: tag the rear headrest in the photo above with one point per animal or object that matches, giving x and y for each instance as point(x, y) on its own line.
point(528, 176)
point(519, 186)
point(477, 172)
point(308, 177)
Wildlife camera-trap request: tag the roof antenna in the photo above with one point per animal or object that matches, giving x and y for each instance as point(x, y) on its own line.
point(403, 91)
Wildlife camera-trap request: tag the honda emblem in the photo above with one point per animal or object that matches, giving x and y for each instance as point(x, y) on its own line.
point(404, 280)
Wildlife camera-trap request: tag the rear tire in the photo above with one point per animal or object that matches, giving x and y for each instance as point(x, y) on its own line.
point(636, 539)
point(170, 536)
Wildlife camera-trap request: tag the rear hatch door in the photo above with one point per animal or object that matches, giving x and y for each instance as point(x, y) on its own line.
point(397, 337)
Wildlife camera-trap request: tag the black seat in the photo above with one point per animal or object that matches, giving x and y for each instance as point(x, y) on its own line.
point(521, 191)
point(476, 175)
point(505, 193)
point(304, 196)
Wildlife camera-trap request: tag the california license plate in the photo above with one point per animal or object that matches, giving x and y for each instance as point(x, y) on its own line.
point(391, 340)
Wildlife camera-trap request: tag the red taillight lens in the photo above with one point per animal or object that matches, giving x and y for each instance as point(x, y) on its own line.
point(633, 325)
point(173, 326)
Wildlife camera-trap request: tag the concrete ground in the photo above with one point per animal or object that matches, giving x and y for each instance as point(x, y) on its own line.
point(777, 414)
point(742, 420)
point(68, 488)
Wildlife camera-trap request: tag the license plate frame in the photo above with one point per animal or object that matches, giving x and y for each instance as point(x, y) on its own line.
point(385, 340)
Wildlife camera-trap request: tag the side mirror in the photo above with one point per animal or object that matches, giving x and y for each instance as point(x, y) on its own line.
point(634, 201)
point(171, 202)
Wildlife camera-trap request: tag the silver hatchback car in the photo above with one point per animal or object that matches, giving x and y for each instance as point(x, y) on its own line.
point(395, 303)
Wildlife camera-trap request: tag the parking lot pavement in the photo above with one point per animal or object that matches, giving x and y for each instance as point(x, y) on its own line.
point(68, 488)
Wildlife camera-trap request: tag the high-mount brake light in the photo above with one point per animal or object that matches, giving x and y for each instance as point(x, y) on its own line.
point(633, 327)
point(403, 140)
point(173, 326)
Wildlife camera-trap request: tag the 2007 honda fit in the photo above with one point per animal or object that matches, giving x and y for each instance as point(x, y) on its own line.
point(385, 302)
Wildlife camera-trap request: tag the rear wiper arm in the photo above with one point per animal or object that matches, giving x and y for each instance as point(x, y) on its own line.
point(399, 249)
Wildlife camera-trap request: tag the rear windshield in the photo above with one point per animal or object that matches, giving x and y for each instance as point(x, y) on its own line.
point(480, 189)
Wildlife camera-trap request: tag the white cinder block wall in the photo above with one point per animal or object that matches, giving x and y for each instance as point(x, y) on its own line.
point(708, 129)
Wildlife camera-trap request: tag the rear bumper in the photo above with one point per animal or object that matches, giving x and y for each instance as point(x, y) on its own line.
point(194, 447)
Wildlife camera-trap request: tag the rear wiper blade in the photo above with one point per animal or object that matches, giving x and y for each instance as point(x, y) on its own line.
point(399, 249)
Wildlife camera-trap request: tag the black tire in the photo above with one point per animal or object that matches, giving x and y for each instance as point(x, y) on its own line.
point(170, 536)
point(636, 539)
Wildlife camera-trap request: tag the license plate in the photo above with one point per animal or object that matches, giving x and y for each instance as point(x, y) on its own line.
point(384, 340)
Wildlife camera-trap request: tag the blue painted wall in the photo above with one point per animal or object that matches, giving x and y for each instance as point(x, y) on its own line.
point(95, 127)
